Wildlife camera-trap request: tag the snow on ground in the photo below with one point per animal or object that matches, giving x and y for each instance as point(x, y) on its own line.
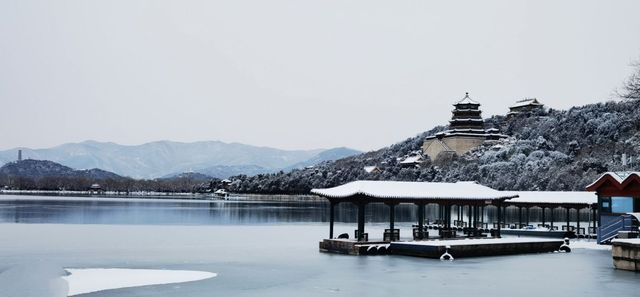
point(588, 244)
point(89, 280)
point(628, 240)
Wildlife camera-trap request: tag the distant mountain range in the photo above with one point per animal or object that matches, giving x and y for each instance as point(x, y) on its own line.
point(168, 158)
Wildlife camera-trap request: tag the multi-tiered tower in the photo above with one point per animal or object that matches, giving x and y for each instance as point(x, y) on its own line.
point(467, 117)
point(466, 131)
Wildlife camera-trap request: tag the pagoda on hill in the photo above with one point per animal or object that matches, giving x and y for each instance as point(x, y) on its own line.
point(467, 117)
point(466, 131)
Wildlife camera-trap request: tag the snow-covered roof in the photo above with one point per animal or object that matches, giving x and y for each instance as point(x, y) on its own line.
point(555, 197)
point(620, 177)
point(412, 160)
point(415, 190)
point(226, 181)
point(467, 100)
point(370, 169)
point(526, 102)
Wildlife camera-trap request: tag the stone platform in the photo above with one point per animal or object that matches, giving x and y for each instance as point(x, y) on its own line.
point(626, 254)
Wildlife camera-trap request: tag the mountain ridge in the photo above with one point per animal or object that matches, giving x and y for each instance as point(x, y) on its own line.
point(161, 158)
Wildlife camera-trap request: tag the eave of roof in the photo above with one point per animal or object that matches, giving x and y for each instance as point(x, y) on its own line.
point(414, 191)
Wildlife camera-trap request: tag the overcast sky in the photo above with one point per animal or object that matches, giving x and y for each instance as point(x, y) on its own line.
point(295, 74)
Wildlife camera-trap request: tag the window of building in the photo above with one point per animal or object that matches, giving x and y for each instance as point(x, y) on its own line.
point(605, 204)
point(621, 204)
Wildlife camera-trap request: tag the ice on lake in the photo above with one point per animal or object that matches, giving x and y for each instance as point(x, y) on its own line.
point(280, 259)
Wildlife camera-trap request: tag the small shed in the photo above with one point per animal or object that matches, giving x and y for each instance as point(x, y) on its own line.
point(372, 169)
point(96, 188)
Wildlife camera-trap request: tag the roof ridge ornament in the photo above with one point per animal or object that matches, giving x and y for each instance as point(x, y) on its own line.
point(467, 100)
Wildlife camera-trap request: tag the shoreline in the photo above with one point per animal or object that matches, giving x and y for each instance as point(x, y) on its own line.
point(149, 195)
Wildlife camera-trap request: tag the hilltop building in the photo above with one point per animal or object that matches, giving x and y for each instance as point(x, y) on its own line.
point(525, 105)
point(372, 169)
point(466, 131)
point(414, 160)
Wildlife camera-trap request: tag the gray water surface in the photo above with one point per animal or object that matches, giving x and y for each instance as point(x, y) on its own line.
point(265, 249)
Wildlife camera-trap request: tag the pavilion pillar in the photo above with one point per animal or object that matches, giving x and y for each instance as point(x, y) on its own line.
point(543, 209)
point(482, 214)
point(504, 215)
point(577, 221)
point(499, 221)
point(473, 216)
point(361, 209)
point(469, 213)
point(331, 218)
point(568, 221)
point(595, 218)
point(527, 210)
point(519, 217)
point(551, 219)
point(420, 217)
point(392, 216)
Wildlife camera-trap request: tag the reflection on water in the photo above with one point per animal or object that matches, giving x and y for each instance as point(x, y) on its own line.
point(74, 210)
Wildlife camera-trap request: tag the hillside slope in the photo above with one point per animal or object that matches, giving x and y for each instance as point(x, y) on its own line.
point(549, 150)
point(38, 169)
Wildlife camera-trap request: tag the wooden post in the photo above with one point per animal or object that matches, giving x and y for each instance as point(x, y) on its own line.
point(568, 221)
point(519, 217)
point(578, 221)
point(595, 219)
point(551, 220)
point(543, 216)
point(499, 221)
point(392, 216)
point(361, 209)
point(420, 216)
point(469, 213)
point(331, 218)
point(473, 216)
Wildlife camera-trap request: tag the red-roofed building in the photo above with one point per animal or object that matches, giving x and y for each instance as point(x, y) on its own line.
point(618, 203)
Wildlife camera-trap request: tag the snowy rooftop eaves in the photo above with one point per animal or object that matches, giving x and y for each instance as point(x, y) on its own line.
point(526, 102)
point(555, 197)
point(618, 179)
point(466, 100)
point(412, 191)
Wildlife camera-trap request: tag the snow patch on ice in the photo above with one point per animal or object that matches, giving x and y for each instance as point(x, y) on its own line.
point(82, 281)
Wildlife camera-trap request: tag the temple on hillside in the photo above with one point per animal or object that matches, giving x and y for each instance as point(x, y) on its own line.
point(525, 105)
point(466, 131)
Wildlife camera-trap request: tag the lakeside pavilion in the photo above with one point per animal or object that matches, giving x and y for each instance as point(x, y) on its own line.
point(470, 195)
point(463, 197)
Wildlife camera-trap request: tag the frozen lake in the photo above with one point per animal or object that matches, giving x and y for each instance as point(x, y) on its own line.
point(263, 249)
